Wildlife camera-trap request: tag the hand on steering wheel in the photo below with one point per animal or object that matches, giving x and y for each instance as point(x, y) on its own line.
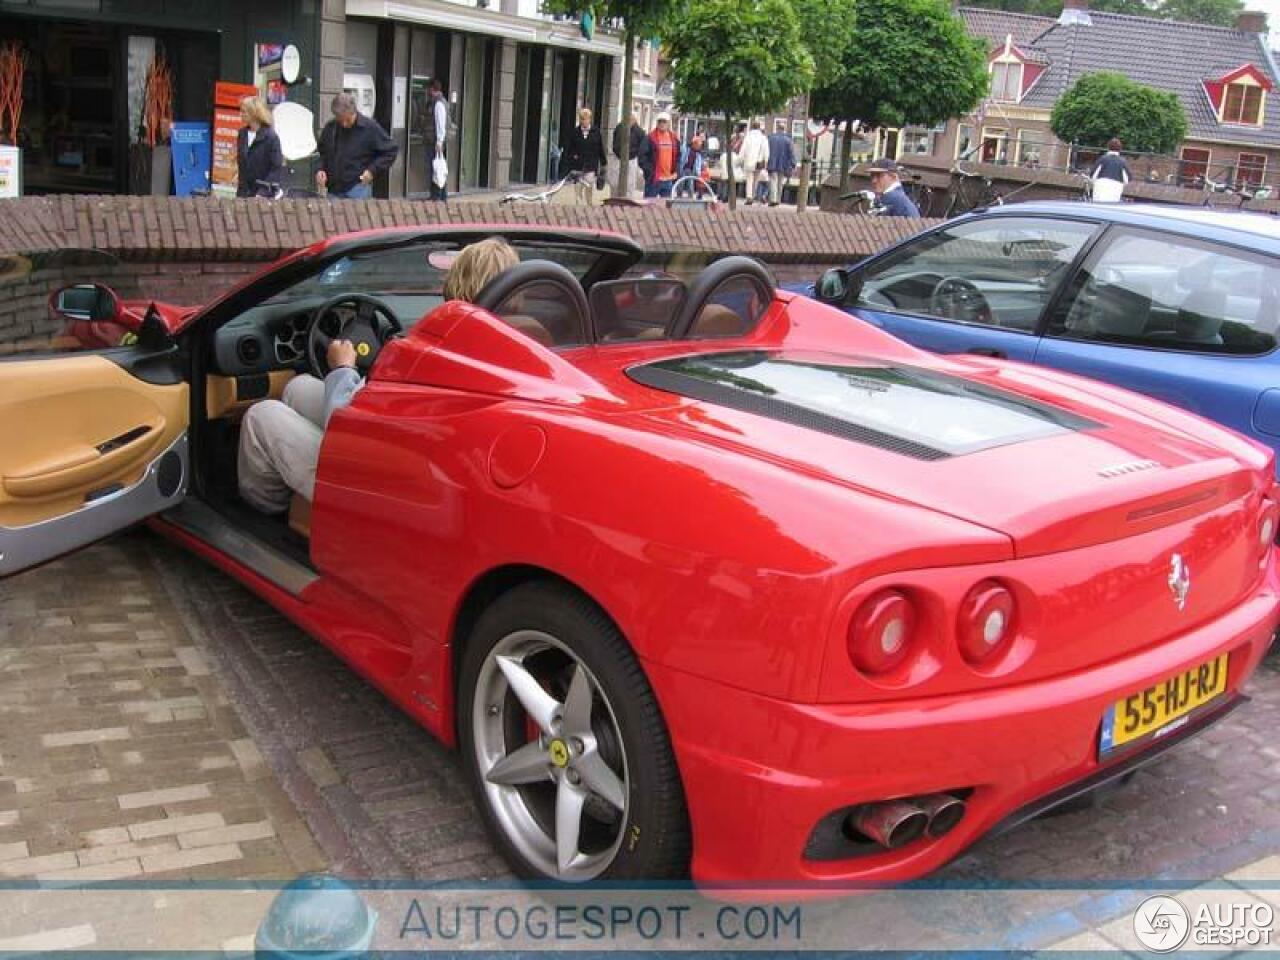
point(364, 320)
point(956, 298)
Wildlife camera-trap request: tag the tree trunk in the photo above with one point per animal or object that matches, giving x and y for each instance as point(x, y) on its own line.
point(624, 148)
point(806, 159)
point(728, 162)
point(846, 148)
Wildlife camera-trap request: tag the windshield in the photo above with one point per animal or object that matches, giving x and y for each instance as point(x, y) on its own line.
point(914, 411)
point(410, 279)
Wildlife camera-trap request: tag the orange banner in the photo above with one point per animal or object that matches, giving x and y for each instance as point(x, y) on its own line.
point(226, 127)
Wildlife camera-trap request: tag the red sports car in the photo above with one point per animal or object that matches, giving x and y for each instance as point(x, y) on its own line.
point(701, 577)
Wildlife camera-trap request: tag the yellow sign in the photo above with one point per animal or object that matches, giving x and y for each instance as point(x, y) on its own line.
point(1142, 713)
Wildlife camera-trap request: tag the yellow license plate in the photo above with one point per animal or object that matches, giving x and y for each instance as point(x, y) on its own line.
point(1155, 708)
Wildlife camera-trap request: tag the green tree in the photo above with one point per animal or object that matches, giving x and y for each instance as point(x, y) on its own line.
point(639, 18)
point(1221, 13)
point(738, 57)
point(1104, 105)
point(909, 62)
point(827, 27)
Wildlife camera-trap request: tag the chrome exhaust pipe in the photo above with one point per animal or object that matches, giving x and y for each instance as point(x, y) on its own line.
point(891, 823)
point(944, 812)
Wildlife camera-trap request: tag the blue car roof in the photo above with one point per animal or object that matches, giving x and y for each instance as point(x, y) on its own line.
point(1257, 230)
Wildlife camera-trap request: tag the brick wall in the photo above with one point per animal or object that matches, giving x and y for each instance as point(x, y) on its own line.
point(189, 251)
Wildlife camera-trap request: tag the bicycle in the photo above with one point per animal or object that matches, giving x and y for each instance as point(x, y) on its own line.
point(866, 203)
point(543, 196)
point(962, 198)
point(281, 192)
point(921, 193)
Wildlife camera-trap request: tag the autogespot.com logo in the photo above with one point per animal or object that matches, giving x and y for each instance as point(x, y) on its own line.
point(1161, 924)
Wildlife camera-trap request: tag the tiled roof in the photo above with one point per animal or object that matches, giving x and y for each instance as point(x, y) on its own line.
point(1165, 54)
point(995, 25)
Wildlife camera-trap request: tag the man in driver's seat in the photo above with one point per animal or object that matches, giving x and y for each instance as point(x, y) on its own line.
point(280, 439)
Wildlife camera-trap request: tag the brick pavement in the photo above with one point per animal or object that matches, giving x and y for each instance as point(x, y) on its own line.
point(160, 719)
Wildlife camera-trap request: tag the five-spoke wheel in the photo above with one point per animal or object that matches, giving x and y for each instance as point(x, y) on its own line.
point(564, 743)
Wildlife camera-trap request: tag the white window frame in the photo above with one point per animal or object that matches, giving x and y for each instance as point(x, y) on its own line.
point(1009, 63)
point(1245, 83)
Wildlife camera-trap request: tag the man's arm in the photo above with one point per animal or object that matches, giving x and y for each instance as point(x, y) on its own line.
point(343, 380)
point(383, 147)
point(441, 117)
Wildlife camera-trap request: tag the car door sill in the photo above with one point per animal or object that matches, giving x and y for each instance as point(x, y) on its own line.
point(202, 521)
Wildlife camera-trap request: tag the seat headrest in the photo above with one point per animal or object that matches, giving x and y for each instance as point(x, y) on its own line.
point(1122, 311)
point(497, 295)
point(1200, 316)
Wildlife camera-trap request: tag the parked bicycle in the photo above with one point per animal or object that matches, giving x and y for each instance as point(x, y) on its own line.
point(543, 196)
point(278, 191)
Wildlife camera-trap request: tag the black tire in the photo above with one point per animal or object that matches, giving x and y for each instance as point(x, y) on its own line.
point(656, 834)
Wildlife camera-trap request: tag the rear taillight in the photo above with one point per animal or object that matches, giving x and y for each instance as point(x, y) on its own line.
point(988, 621)
point(1268, 524)
point(882, 634)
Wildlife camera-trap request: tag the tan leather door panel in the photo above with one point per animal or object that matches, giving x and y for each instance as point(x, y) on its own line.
point(75, 427)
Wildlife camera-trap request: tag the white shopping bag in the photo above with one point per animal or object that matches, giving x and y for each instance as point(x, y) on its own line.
point(1106, 190)
point(439, 171)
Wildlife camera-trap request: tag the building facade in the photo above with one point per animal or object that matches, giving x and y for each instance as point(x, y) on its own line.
point(1223, 77)
point(87, 62)
point(513, 77)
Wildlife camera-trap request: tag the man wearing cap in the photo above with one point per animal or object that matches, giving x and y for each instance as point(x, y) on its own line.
point(660, 159)
point(888, 188)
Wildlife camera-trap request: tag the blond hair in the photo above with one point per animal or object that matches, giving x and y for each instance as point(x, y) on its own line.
point(476, 265)
point(252, 108)
point(584, 115)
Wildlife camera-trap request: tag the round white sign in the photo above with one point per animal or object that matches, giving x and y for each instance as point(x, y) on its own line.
point(1161, 924)
point(290, 64)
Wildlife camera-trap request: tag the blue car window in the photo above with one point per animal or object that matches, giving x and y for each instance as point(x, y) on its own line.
point(997, 271)
point(1163, 291)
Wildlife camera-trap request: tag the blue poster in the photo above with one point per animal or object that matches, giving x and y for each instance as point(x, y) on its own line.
point(192, 154)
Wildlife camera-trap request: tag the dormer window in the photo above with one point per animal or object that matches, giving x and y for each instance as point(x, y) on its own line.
point(1242, 103)
point(1006, 81)
point(1240, 97)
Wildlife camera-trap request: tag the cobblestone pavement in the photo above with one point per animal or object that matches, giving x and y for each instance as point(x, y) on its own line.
point(160, 719)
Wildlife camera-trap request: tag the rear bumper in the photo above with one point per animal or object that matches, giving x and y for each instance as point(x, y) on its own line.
point(760, 774)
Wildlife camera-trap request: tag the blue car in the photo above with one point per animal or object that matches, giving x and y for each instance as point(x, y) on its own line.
point(1182, 304)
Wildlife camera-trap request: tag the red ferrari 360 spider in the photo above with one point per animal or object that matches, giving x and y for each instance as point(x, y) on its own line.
point(699, 577)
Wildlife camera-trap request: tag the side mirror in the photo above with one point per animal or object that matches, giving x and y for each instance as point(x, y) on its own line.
point(93, 302)
point(833, 286)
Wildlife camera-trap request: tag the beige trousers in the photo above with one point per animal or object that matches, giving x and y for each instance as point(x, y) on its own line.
point(754, 177)
point(777, 180)
point(280, 446)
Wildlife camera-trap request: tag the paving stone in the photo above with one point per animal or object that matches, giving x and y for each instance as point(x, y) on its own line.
point(14, 851)
point(154, 798)
point(186, 859)
point(78, 737)
point(64, 938)
point(235, 833)
point(30, 866)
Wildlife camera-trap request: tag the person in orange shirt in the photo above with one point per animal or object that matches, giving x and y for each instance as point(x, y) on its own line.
point(660, 159)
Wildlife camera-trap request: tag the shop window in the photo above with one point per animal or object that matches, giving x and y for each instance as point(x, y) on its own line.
point(995, 145)
point(918, 141)
point(1251, 168)
point(1193, 165)
point(964, 141)
point(1242, 103)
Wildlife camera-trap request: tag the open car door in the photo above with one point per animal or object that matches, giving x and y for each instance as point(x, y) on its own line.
point(91, 440)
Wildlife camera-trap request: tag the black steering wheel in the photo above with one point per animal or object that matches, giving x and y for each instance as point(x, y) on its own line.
point(364, 320)
point(956, 298)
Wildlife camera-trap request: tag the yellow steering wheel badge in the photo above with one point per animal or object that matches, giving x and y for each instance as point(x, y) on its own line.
point(559, 751)
point(362, 349)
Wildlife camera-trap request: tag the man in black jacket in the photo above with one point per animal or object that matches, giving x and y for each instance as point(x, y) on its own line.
point(584, 152)
point(637, 140)
point(353, 149)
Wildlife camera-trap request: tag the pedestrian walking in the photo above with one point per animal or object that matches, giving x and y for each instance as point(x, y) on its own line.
point(888, 188)
point(693, 161)
point(258, 157)
point(1110, 174)
point(636, 137)
point(585, 153)
point(435, 139)
point(353, 149)
point(660, 158)
point(782, 163)
point(755, 159)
